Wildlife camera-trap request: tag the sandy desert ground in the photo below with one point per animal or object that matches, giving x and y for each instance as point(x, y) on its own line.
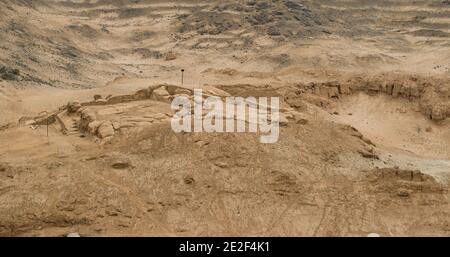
point(87, 147)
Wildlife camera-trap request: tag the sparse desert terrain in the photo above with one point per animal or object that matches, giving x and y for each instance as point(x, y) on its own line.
point(87, 145)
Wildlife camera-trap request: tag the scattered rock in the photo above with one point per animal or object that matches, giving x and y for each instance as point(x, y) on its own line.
point(201, 143)
point(121, 164)
point(101, 101)
point(300, 118)
point(54, 165)
point(221, 164)
point(147, 53)
point(283, 121)
point(369, 155)
point(403, 193)
point(189, 180)
point(170, 56)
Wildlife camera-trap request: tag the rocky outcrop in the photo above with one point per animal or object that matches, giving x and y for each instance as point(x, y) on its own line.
point(90, 124)
point(402, 183)
point(433, 98)
point(432, 94)
point(86, 117)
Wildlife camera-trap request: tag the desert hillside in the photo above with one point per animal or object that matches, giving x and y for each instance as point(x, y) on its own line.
point(85, 126)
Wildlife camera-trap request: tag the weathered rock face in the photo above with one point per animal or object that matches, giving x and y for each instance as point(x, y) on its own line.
point(432, 96)
point(279, 19)
point(143, 94)
point(161, 94)
point(402, 183)
point(86, 117)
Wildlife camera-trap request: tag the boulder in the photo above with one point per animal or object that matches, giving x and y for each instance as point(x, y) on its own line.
point(105, 130)
point(439, 112)
point(73, 106)
point(93, 127)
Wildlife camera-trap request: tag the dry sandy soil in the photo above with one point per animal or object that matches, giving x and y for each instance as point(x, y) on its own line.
point(365, 105)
